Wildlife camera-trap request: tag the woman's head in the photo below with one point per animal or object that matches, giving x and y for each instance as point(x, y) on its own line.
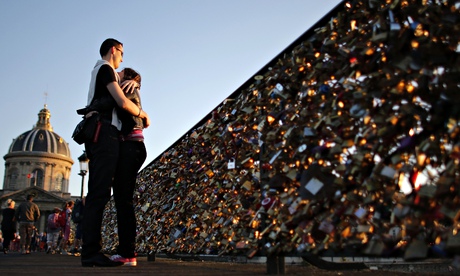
point(10, 203)
point(130, 74)
point(69, 204)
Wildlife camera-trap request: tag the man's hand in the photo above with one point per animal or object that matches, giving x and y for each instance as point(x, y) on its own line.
point(146, 121)
point(130, 86)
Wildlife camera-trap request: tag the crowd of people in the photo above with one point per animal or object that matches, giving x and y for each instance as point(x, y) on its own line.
point(15, 235)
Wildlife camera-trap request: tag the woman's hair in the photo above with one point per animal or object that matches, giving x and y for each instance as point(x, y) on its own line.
point(131, 74)
point(10, 202)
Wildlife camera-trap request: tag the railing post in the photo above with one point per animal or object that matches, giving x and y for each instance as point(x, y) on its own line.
point(151, 256)
point(275, 265)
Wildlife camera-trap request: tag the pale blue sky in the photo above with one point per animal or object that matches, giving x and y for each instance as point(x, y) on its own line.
point(191, 54)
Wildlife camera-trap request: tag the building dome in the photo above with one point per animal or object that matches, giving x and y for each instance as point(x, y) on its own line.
point(38, 157)
point(41, 139)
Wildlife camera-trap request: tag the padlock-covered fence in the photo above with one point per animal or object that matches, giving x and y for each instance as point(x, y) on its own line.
point(345, 143)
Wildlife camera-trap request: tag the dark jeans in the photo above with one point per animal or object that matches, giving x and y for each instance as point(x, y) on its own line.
point(78, 233)
point(26, 230)
point(132, 156)
point(103, 157)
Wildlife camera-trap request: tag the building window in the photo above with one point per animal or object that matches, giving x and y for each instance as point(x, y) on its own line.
point(37, 178)
point(58, 182)
point(12, 179)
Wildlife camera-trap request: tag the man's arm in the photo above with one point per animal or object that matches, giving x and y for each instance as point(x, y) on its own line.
point(127, 104)
point(37, 213)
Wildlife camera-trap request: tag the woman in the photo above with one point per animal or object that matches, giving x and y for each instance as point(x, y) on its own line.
point(53, 231)
point(8, 225)
point(66, 228)
point(131, 148)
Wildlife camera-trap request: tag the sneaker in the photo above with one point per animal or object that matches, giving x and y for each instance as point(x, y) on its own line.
point(125, 261)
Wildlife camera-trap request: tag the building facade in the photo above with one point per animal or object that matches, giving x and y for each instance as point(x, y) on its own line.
point(38, 162)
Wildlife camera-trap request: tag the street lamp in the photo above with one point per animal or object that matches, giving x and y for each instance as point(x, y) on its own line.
point(83, 159)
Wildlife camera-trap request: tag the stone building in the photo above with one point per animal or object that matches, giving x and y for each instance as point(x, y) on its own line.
point(38, 162)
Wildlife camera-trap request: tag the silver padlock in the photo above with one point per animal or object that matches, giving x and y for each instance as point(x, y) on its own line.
point(231, 164)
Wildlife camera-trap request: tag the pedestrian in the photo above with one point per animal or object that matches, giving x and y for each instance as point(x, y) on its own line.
point(53, 231)
point(8, 224)
point(35, 240)
point(27, 214)
point(66, 228)
point(14, 246)
point(43, 241)
point(103, 150)
point(77, 218)
point(132, 148)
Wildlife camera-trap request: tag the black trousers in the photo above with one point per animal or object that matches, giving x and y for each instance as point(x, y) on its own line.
point(8, 236)
point(103, 159)
point(131, 157)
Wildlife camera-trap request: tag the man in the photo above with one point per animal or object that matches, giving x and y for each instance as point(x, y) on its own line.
point(27, 214)
point(104, 149)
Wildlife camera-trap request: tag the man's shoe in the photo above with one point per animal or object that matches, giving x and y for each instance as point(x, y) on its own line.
point(125, 261)
point(99, 260)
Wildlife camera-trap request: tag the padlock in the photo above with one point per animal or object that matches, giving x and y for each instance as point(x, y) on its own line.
point(231, 164)
point(416, 250)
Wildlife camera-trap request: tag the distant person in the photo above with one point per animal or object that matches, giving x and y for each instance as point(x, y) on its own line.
point(8, 225)
point(43, 240)
point(34, 243)
point(53, 231)
point(27, 214)
point(77, 218)
point(103, 151)
point(132, 148)
point(66, 228)
point(14, 246)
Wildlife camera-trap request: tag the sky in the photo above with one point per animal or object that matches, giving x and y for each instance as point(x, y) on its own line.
point(191, 54)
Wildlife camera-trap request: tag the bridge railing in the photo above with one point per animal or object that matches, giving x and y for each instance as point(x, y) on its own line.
point(345, 144)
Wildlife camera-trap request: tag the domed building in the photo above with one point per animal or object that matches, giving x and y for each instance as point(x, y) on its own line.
point(38, 157)
point(38, 162)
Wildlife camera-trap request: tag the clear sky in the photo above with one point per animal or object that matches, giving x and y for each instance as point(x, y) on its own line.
point(191, 54)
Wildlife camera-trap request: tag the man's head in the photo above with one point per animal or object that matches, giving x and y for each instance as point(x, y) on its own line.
point(112, 51)
point(30, 197)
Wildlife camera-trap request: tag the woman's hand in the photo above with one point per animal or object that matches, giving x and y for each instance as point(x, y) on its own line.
point(128, 86)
